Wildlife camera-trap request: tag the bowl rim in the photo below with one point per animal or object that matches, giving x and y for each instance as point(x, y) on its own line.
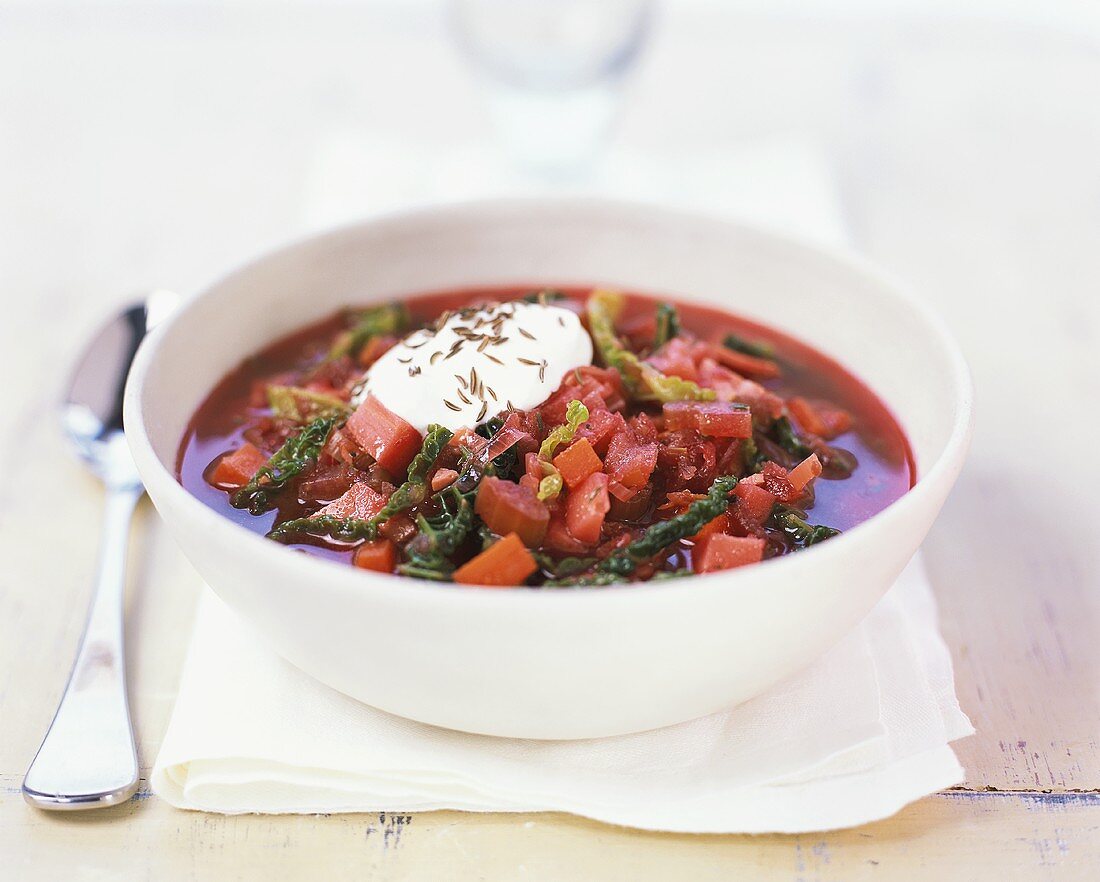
point(340, 576)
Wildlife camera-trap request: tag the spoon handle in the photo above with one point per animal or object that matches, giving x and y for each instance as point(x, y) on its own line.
point(87, 759)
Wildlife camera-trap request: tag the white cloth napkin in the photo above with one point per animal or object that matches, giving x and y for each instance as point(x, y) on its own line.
point(855, 737)
point(852, 739)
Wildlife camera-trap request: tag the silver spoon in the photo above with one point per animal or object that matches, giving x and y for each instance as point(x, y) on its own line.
point(87, 759)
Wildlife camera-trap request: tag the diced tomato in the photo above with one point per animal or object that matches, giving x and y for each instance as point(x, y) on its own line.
point(754, 504)
point(504, 563)
point(577, 462)
point(820, 419)
point(443, 478)
point(236, 469)
point(763, 368)
point(512, 508)
point(384, 435)
point(600, 428)
point(804, 472)
point(719, 419)
point(586, 508)
point(360, 502)
point(720, 551)
point(630, 463)
point(379, 555)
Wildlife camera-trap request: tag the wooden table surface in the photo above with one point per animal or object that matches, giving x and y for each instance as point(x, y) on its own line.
point(156, 147)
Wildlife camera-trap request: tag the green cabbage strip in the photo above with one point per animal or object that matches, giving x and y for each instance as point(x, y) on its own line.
point(786, 437)
point(792, 522)
point(668, 324)
point(415, 489)
point(642, 380)
point(664, 533)
point(428, 555)
point(302, 405)
point(296, 455)
point(345, 529)
point(550, 485)
point(413, 492)
point(562, 568)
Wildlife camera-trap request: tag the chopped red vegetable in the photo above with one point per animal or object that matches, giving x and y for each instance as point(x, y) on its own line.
point(601, 426)
point(754, 504)
point(719, 419)
point(690, 453)
point(384, 435)
point(577, 462)
point(720, 551)
point(327, 483)
point(443, 478)
point(586, 508)
point(560, 541)
point(676, 359)
point(804, 472)
point(379, 555)
point(236, 469)
point(505, 563)
point(776, 481)
point(630, 463)
point(360, 502)
point(512, 508)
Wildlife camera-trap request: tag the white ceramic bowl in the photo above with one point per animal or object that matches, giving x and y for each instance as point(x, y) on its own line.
point(556, 664)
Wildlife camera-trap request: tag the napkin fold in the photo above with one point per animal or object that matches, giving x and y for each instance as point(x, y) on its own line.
point(853, 738)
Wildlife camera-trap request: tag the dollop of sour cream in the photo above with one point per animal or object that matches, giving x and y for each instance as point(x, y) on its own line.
point(476, 362)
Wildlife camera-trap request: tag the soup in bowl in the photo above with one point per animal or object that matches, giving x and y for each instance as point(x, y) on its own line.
point(693, 454)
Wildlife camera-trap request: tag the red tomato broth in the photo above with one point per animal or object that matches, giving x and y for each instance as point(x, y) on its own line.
point(885, 472)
